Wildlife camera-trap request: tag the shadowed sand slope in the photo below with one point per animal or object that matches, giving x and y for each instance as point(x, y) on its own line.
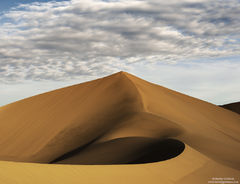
point(235, 107)
point(134, 150)
point(119, 119)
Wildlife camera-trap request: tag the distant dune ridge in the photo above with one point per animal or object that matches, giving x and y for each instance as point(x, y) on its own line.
point(118, 119)
point(235, 107)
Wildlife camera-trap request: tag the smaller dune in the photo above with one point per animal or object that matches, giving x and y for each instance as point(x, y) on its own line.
point(235, 107)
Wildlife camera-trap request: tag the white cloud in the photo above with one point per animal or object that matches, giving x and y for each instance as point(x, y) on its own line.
point(215, 82)
point(69, 39)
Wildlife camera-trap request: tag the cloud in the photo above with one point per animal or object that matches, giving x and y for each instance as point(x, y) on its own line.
point(69, 39)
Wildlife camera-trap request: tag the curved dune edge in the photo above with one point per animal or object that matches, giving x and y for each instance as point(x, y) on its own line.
point(92, 116)
point(189, 167)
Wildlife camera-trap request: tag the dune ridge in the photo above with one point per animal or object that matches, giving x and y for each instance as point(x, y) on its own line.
point(121, 119)
point(235, 107)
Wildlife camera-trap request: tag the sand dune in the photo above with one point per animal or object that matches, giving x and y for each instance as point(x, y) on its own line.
point(119, 119)
point(235, 107)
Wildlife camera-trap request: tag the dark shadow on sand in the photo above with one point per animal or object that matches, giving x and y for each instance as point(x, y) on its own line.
point(128, 150)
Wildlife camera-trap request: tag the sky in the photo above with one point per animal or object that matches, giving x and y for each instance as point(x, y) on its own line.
point(191, 46)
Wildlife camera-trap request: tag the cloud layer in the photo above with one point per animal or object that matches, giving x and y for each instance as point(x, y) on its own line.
point(69, 39)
